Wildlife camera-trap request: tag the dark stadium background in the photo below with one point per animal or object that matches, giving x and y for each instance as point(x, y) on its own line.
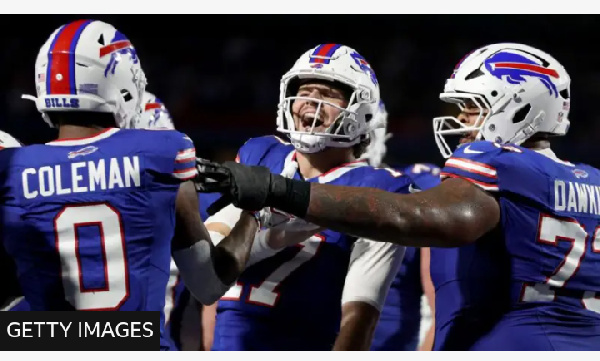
point(219, 74)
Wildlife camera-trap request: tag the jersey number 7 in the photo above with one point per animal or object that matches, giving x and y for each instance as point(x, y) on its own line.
point(266, 294)
point(551, 231)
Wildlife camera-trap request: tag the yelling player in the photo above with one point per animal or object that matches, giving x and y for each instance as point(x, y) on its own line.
point(323, 290)
point(525, 275)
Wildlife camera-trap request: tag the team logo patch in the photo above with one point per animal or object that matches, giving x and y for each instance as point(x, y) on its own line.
point(580, 173)
point(82, 152)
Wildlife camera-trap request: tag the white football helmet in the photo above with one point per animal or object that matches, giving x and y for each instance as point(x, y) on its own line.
point(8, 141)
point(519, 90)
point(154, 114)
point(89, 66)
point(376, 149)
point(336, 63)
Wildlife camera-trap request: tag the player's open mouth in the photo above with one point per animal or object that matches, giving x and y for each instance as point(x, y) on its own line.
point(308, 119)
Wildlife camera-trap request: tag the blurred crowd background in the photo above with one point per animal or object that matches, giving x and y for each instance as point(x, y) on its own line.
point(219, 74)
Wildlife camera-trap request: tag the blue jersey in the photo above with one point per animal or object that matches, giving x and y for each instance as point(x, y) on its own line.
point(292, 300)
point(399, 323)
point(540, 266)
point(89, 221)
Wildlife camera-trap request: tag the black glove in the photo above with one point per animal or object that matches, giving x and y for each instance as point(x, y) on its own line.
point(250, 187)
point(226, 178)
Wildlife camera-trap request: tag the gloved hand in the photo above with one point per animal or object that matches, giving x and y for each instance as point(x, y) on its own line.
point(246, 187)
point(250, 187)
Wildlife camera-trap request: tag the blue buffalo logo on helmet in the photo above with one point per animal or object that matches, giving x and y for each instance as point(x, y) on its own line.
point(513, 68)
point(118, 45)
point(364, 66)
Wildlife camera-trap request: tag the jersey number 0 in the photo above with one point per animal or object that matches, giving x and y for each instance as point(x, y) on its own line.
point(94, 260)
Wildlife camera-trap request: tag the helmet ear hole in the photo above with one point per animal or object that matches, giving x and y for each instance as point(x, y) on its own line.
point(521, 114)
point(565, 93)
point(474, 74)
point(126, 95)
point(101, 40)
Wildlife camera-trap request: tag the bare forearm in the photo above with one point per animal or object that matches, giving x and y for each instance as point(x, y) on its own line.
point(233, 251)
point(435, 218)
point(208, 320)
point(357, 328)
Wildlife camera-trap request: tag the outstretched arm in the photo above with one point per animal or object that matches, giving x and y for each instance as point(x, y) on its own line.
point(452, 214)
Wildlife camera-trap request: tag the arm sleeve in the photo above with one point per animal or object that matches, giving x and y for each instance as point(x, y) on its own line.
point(373, 267)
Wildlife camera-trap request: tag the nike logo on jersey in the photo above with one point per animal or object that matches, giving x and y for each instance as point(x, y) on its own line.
point(468, 150)
point(412, 189)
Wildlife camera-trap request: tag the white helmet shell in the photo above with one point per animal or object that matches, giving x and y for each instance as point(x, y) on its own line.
point(519, 90)
point(89, 66)
point(378, 135)
point(154, 114)
point(335, 63)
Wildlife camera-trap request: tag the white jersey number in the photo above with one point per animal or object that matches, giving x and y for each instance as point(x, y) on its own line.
point(266, 293)
point(551, 231)
point(591, 300)
point(107, 220)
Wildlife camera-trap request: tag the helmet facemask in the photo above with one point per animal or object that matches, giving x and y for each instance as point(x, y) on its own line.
point(344, 131)
point(352, 74)
point(449, 129)
point(520, 91)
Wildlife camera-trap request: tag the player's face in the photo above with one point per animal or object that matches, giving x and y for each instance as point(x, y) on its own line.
point(469, 116)
point(304, 111)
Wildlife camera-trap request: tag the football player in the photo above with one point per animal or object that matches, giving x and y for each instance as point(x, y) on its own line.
point(525, 275)
point(89, 217)
point(313, 288)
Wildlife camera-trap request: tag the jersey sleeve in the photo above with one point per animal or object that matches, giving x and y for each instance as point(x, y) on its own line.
point(184, 160)
point(500, 168)
point(423, 175)
point(387, 179)
point(476, 163)
point(373, 267)
point(255, 149)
